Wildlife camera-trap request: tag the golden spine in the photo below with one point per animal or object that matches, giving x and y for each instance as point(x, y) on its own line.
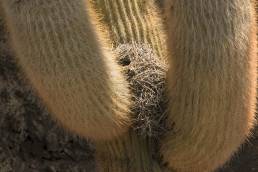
point(212, 81)
point(67, 63)
point(131, 21)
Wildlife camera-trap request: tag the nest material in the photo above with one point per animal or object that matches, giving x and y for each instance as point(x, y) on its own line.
point(146, 75)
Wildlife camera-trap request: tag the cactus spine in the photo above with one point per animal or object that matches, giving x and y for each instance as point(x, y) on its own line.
point(212, 81)
point(131, 21)
point(129, 152)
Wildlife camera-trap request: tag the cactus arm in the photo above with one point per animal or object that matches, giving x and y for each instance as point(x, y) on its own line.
point(212, 81)
point(61, 54)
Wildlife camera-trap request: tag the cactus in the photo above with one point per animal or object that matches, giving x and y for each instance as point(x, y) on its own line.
point(212, 81)
point(64, 48)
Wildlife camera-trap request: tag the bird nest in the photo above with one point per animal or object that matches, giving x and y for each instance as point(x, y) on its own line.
point(146, 74)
